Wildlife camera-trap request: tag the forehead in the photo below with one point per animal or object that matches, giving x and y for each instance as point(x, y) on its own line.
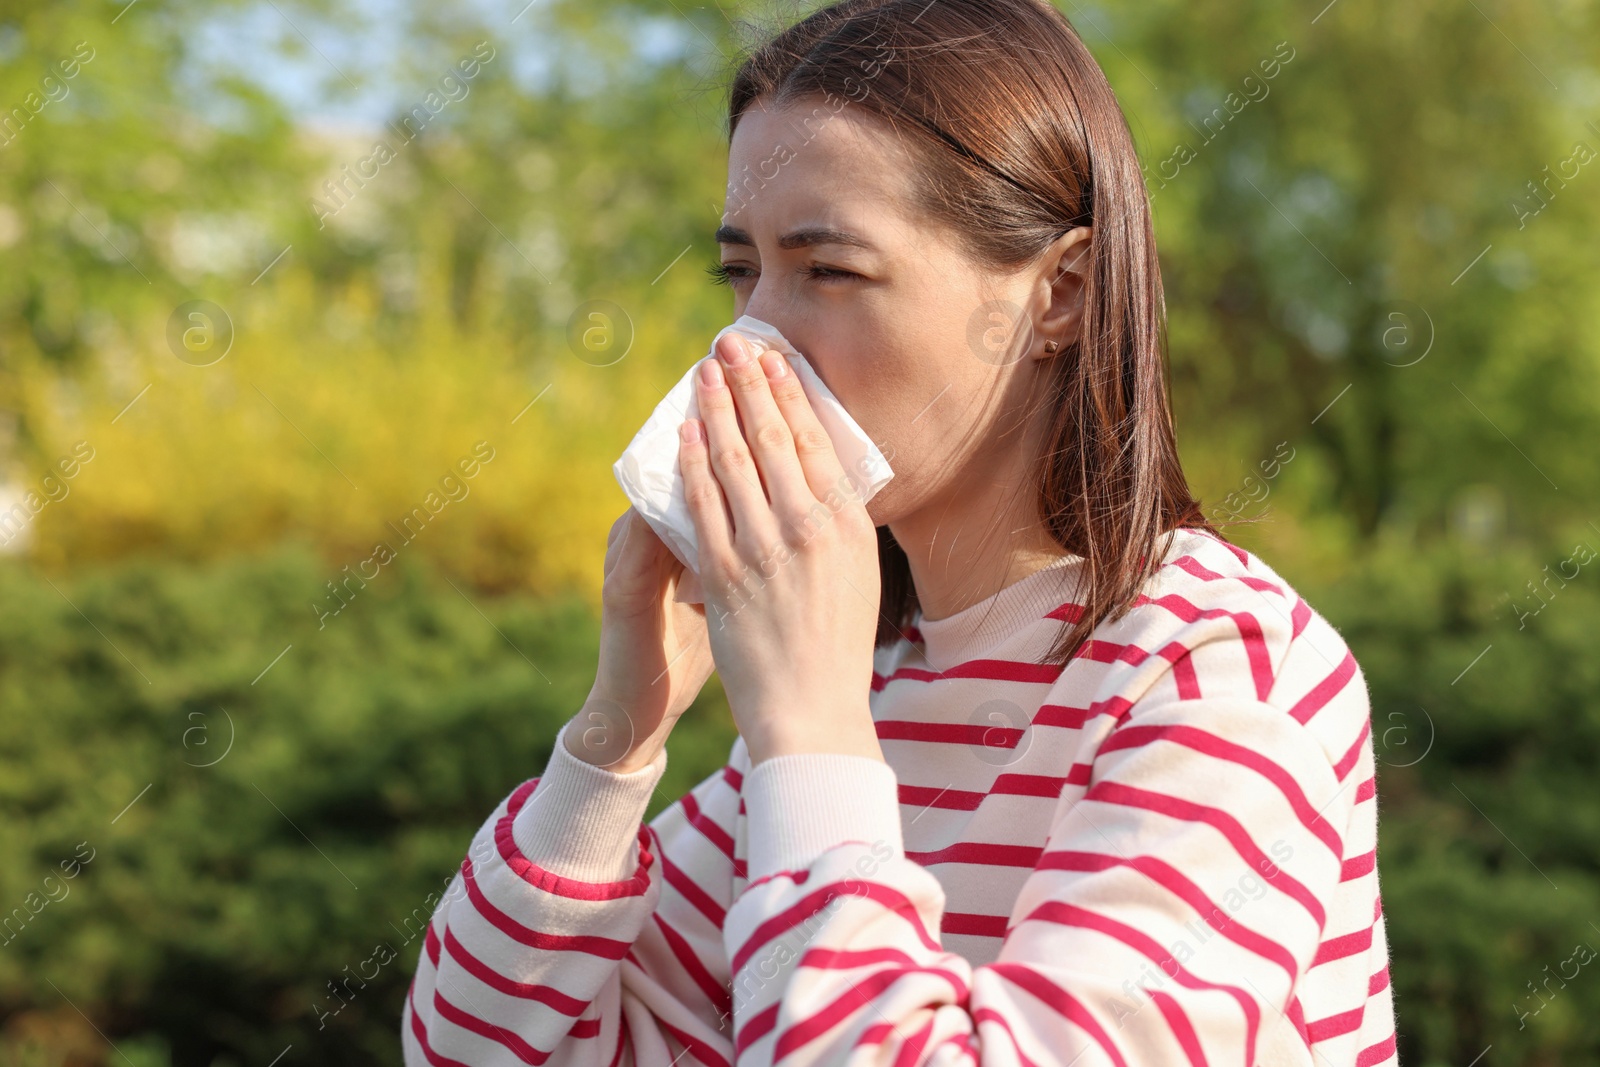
point(817, 161)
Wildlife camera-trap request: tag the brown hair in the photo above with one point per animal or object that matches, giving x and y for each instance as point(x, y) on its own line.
point(1021, 140)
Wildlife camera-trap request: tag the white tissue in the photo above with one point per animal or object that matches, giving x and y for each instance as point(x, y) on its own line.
point(648, 469)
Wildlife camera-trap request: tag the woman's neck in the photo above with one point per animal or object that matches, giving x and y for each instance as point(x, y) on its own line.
point(981, 535)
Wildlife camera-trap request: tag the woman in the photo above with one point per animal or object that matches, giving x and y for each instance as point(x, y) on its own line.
point(1034, 767)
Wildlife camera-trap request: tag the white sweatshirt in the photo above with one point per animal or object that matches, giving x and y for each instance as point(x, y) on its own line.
point(1163, 854)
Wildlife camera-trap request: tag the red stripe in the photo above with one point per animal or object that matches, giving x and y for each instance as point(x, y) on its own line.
point(1129, 736)
point(707, 826)
point(1346, 1022)
point(521, 793)
point(498, 1034)
point(911, 1050)
point(1064, 914)
point(1337, 948)
point(876, 1034)
point(1066, 612)
point(1171, 879)
point(1375, 1054)
point(814, 901)
point(1182, 1029)
point(1354, 868)
point(1008, 784)
point(701, 1051)
point(1367, 789)
point(981, 853)
point(1188, 682)
point(1299, 616)
point(419, 1030)
point(848, 959)
point(996, 670)
point(1048, 786)
point(1097, 650)
point(551, 882)
point(716, 992)
point(585, 1028)
point(1060, 715)
point(857, 995)
point(539, 992)
point(1378, 981)
point(1193, 566)
point(1296, 1014)
point(989, 1015)
point(754, 1029)
point(1325, 690)
point(959, 922)
point(431, 943)
point(604, 947)
point(689, 889)
point(1064, 1003)
point(839, 960)
point(1074, 718)
point(1255, 645)
point(1224, 823)
point(1348, 761)
point(924, 796)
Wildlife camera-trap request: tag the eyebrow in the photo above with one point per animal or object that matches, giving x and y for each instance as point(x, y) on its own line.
point(801, 238)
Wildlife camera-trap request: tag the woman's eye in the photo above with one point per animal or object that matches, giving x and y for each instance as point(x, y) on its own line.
point(828, 272)
point(727, 273)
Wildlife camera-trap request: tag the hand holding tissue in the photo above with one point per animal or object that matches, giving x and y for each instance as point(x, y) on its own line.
point(648, 469)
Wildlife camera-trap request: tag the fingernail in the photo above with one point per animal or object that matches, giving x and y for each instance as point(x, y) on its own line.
point(689, 431)
point(774, 364)
point(740, 352)
point(710, 374)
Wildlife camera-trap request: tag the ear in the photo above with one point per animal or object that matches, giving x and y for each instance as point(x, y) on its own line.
point(1063, 279)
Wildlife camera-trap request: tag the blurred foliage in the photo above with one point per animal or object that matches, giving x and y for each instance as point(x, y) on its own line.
point(1377, 229)
point(256, 825)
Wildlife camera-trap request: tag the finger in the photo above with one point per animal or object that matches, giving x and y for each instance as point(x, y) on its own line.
point(731, 459)
point(812, 446)
point(617, 537)
point(766, 431)
point(703, 494)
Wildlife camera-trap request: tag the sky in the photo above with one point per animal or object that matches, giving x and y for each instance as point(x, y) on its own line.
point(352, 71)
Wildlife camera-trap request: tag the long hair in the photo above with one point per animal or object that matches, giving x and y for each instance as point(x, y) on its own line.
point(1020, 139)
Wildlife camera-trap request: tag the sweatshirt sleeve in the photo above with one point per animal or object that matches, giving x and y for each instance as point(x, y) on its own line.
point(1175, 905)
point(574, 936)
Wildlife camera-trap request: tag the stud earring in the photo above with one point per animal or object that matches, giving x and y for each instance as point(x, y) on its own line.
point(1050, 346)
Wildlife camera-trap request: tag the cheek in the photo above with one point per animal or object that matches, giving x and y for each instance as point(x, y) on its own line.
point(920, 411)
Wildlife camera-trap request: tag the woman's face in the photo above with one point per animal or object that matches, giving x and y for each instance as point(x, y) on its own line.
point(823, 241)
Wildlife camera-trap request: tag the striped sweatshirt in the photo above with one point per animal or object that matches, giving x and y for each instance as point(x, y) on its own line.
point(1162, 854)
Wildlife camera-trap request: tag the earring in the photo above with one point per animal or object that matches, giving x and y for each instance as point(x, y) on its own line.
point(1050, 346)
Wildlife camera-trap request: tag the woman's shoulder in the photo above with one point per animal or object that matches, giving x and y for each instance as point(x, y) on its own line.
point(1216, 620)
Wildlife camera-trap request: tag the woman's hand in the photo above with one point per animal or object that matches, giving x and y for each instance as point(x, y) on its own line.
point(788, 559)
point(654, 655)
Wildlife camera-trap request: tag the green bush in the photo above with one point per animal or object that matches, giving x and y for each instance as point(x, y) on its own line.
point(1487, 730)
point(216, 914)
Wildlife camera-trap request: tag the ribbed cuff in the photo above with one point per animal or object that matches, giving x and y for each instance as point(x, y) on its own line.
point(581, 821)
point(798, 806)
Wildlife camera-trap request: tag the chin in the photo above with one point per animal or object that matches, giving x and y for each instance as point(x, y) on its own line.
point(882, 508)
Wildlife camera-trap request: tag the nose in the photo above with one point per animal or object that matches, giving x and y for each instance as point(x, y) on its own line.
point(766, 305)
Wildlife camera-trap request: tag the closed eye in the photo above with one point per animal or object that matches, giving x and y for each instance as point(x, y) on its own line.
point(723, 274)
point(727, 274)
point(828, 272)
